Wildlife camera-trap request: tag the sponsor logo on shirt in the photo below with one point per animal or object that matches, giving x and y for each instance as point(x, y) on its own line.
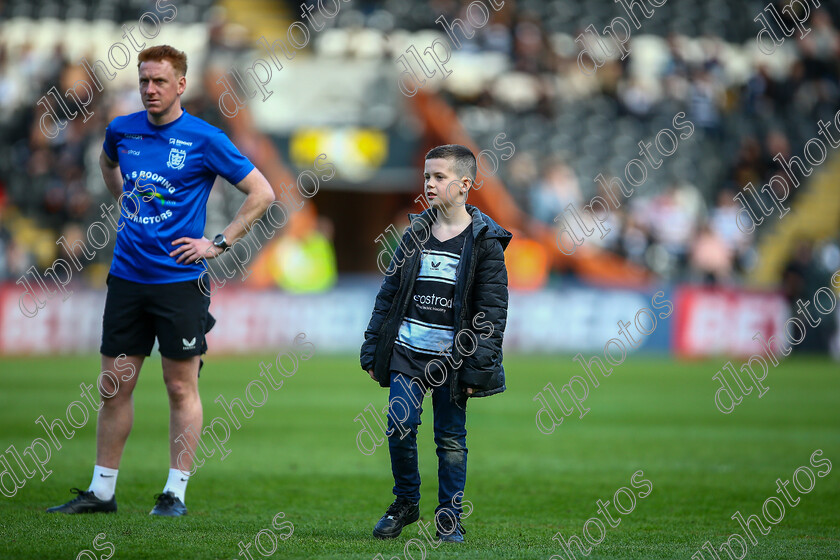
point(134, 136)
point(150, 219)
point(163, 201)
point(433, 300)
point(130, 152)
point(176, 158)
point(151, 176)
point(177, 142)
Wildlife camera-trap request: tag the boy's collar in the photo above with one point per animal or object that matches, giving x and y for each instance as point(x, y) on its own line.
point(480, 221)
point(425, 219)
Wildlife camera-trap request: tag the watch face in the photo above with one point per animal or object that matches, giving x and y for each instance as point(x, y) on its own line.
point(219, 240)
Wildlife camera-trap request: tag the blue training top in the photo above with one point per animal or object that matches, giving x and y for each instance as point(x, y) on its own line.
point(168, 172)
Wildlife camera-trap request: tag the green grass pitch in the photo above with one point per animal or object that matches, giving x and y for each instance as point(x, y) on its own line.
point(298, 455)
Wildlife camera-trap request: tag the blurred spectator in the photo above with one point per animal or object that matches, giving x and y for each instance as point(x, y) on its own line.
point(672, 217)
point(705, 102)
point(711, 258)
point(555, 191)
point(803, 275)
point(635, 240)
point(796, 278)
point(722, 223)
point(523, 174)
point(749, 165)
point(612, 218)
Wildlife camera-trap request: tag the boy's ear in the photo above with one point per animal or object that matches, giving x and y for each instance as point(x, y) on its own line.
point(467, 182)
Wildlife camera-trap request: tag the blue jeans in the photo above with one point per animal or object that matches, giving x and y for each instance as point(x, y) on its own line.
point(406, 400)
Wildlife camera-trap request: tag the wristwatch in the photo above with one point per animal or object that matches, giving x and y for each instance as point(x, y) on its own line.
point(220, 241)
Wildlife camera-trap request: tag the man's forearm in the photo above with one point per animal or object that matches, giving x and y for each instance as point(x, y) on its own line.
point(113, 178)
point(250, 211)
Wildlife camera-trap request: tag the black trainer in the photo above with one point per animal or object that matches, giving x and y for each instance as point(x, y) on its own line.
point(446, 532)
point(401, 513)
point(86, 502)
point(168, 505)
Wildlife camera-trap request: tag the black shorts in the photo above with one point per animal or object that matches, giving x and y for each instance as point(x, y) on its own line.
point(178, 314)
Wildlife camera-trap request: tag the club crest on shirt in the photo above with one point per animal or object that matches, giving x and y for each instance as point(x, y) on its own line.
point(176, 158)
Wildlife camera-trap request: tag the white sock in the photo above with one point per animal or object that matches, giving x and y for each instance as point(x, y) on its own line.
point(104, 482)
point(177, 483)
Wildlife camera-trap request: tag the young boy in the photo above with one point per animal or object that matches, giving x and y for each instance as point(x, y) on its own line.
point(438, 324)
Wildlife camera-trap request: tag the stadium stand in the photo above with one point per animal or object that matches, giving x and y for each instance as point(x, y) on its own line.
point(517, 75)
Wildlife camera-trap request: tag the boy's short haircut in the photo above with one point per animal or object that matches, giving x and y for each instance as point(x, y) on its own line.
point(462, 158)
point(176, 58)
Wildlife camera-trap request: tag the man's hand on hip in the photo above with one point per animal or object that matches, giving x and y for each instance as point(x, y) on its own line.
point(191, 250)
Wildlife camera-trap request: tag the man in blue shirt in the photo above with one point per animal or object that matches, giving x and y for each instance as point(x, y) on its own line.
point(161, 164)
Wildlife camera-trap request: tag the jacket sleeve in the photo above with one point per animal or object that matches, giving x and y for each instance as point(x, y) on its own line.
point(490, 303)
point(384, 301)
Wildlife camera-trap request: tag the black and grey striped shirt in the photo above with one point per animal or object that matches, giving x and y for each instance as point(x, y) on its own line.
point(429, 323)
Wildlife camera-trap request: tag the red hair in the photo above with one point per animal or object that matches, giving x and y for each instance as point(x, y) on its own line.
point(176, 58)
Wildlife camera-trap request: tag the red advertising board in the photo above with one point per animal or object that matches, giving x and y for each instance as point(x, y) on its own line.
point(721, 321)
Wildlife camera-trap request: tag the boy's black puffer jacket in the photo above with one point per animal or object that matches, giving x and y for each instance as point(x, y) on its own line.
point(480, 302)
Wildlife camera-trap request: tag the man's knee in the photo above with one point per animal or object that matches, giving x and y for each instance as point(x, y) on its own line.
point(180, 390)
point(113, 393)
point(118, 377)
point(181, 378)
